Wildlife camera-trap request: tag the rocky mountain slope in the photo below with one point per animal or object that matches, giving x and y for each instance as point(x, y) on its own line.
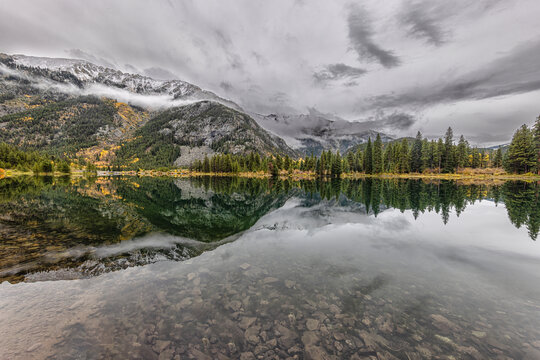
point(315, 132)
point(79, 108)
point(188, 133)
point(74, 108)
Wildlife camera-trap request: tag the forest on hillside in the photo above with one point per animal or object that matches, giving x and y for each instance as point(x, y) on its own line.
point(441, 156)
point(418, 156)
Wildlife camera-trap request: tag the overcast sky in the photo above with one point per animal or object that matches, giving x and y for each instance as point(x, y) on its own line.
point(473, 65)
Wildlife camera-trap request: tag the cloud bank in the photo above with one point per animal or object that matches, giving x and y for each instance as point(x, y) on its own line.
point(445, 63)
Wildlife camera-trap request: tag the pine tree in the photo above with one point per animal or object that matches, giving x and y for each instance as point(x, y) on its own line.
point(416, 154)
point(351, 161)
point(206, 164)
point(346, 166)
point(448, 153)
point(404, 156)
point(336, 165)
point(426, 154)
point(461, 152)
point(359, 160)
point(536, 139)
point(476, 161)
point(438, 154)
point(522, 156)
point(388, 158)
point(497, 161)
point(377, 155)
point(368, 158)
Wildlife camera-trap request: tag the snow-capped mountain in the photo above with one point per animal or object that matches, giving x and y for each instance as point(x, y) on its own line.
point(315, 131)
point(306, 133)
point(87, 74)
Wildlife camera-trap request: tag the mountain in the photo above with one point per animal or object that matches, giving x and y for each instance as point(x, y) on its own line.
point(75, 108)
point(188, 133)
point(315, 132)
point(502, 146)
point(86, 75)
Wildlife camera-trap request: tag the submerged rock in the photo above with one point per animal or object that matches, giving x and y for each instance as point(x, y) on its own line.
point(312, 324)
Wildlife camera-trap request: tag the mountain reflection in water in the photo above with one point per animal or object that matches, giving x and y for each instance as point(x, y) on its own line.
point(80, 228)
point(257, 268)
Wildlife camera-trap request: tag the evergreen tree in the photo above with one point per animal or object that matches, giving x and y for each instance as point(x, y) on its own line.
point(346, 166)
point(448, 152)
point(438, 154)
point(427, 154)
point(274, 169)
point(368, 158)
point(377, 155)
point(206, 164)
point(476, 160)
point(522, 156)
point(336, 165)
point(416, 154)
point(351, 161)
point(536, 139)
point(63, 167)
point(404, 156)
point(497, 161)
point(461, 152)
point(359, 160)
point(388, 158)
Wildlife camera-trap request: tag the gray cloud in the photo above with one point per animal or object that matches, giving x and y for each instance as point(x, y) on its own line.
point(226, 86)
point(159, 73)
point(393, 122)
point(515, 73)
point(422, 20)
point(338, 72)
point(361, 37)
point(210, 42)
point(398, 121)
point(83, 55)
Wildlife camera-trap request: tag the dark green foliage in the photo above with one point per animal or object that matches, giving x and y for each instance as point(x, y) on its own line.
point(59, 127)
point(403, 157)
point(498, 160)
point(13, 158)
point(63, 167)
point(461, 152)
point(153, 147)
point(448, 158)
point(522, 156)
point(522, 201)
point(416, 154)
point(536, 141)
point(377, 155)
point(368, 158)
point(336, 169)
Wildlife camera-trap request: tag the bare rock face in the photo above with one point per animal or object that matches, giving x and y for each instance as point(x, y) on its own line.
point(207, 125)
point(190, 154)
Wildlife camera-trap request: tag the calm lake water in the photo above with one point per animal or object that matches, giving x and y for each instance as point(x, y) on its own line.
point(210, 268)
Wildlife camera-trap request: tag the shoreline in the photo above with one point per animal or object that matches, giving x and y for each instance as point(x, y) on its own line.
point(294, 176)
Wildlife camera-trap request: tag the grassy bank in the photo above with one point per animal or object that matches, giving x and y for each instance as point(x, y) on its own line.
point(467, 175)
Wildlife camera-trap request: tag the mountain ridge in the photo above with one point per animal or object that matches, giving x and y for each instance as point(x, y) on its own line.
point(56, 80)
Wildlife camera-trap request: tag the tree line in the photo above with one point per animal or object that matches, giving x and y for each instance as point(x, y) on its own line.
point(521, 199)
point(13, 158)
point(420, 155)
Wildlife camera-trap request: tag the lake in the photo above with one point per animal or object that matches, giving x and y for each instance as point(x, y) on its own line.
point(218, 268)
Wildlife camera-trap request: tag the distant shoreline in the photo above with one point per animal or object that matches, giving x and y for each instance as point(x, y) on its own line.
point(294, 176)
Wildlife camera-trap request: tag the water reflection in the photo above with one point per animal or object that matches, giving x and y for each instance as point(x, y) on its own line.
point(375, 269)
point(67, 224)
